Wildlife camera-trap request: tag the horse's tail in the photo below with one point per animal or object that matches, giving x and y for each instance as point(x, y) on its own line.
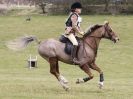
point(21, 43)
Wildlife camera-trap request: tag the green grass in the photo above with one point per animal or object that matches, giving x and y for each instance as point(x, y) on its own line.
point(19, 82)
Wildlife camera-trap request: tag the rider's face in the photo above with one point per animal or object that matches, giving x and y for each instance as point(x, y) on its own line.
point(78, 10)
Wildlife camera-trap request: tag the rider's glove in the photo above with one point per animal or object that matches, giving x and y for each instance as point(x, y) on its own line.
point(82, 33)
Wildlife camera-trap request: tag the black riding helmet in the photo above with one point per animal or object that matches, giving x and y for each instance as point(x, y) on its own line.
point(76, 5)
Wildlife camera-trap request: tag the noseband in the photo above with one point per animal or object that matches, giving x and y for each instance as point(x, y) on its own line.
point(109, 32)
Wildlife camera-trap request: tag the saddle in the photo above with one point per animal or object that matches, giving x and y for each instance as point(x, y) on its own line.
point(68, 45)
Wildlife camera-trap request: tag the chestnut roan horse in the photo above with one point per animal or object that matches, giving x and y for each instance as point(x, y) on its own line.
point(53, 51)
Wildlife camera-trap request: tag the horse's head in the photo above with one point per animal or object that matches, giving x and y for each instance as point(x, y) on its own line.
point(109, 33)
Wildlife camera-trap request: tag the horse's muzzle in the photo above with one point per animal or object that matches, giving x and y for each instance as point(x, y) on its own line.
point(116, 40)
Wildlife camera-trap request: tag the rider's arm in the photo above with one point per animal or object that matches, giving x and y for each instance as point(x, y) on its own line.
point(74, 19)
point(80, 29)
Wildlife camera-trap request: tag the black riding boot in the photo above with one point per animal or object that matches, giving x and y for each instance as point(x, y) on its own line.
point(74, 54)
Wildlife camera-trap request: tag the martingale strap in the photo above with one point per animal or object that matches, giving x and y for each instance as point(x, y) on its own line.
point(99, 37)
point(91, 46)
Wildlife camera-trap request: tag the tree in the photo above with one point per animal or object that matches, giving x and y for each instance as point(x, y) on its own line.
point(41, 4)
point(106, 5)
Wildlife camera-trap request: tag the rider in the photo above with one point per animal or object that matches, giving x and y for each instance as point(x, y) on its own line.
point(73, 27)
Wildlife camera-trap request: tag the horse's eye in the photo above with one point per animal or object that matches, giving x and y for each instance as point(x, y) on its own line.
point(110, 30)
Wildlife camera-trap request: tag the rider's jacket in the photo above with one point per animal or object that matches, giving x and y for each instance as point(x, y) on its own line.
point(68, 22)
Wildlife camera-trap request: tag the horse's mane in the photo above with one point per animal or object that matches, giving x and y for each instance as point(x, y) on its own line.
point(92, 29)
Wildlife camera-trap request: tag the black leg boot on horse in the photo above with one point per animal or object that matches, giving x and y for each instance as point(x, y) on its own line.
point(74, 55)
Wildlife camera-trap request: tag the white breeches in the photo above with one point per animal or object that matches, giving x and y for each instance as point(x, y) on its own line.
point(72, 38)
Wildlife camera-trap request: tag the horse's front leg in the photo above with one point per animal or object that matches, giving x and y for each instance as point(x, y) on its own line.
point(87, 70)
point(95, 67)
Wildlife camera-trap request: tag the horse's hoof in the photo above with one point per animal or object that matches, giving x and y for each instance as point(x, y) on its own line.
point(100, 84)
point(79, 80)
point(64, 85)
point(67, 88)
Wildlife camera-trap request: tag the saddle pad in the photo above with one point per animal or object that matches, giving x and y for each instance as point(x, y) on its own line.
point(68, 45)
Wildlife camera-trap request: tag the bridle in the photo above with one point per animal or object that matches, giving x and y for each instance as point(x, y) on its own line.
point(109, 32)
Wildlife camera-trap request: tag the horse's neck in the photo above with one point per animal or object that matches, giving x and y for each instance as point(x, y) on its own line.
point(93, 40)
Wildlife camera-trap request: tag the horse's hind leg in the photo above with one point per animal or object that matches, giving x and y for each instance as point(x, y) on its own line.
point(95, 67)
point(54, 69)
point(57, 67)
point(53, 62)
point(86, 69)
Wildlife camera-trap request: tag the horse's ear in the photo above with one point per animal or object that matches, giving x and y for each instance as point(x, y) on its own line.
point(106, 22)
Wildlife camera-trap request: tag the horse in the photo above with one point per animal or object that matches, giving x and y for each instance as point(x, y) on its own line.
point(53, 51)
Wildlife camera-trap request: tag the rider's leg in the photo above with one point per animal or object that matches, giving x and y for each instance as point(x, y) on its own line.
point(72, 38)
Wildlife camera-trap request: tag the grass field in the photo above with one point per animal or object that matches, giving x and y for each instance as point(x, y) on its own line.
point(19, 82)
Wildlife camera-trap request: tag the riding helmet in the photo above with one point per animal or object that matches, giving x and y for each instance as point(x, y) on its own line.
point(76, 5)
